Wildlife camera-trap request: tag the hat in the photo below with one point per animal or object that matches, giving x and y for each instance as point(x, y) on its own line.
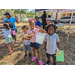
point(48, 18)
point(7, 14)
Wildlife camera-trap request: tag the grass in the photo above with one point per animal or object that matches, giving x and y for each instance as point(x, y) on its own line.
point(17, 57)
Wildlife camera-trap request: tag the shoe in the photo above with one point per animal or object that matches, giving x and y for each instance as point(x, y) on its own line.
point(48, 62)
point(40, 62)
point(34, 58)
point(54, 63)
point(25, 56)
point(10, 52)
point(30, 55)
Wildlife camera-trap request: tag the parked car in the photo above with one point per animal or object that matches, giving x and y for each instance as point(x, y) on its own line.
point(66, 19)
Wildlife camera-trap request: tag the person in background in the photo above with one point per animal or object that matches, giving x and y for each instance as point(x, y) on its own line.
point(49, 16)
point(38, 23)
point(12, 20)
point(56, 22)
point(44, 19)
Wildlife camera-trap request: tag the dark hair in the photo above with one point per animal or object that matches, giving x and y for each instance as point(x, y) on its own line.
point(49, 16)
point(53, 25)
point(25, 26)
point(44, 12)
point(36, 17)
point(6, 25)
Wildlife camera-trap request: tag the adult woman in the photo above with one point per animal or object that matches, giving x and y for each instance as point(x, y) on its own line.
point(12, 20)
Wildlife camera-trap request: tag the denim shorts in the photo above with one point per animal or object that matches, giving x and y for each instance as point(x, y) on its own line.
point(15, 31)
point(48, 55)
point(27, 47)
point(35, 45)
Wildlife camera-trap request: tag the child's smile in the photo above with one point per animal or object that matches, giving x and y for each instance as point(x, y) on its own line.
point(51, 30)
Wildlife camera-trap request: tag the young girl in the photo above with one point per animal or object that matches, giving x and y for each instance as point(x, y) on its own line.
point(8, 37)
point(51, 43)
point(35, 46)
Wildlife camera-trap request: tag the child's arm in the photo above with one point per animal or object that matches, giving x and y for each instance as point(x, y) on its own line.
point(40, 29)
point(1, 30)
point(45, 45)
point(58, 44)
point(30, 35)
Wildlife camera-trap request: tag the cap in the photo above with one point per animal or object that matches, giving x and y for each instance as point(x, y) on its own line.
point(7, 14)
point(48, 18)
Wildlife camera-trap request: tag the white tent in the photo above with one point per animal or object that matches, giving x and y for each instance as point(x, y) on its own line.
point(60, 11)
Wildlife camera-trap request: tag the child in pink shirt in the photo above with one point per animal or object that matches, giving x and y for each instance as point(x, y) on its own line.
point(34, 45)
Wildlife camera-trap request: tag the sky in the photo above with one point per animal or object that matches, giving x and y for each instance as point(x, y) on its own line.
point(31, 9)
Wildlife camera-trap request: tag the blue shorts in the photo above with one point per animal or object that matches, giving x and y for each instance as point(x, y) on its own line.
point(35, 45)
point(48, 55)
point(15, 31)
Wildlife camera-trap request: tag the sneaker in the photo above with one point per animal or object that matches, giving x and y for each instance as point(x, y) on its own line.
point(25, 56)
point(54, 63)
point(30, 55)
point(34, 58)
point(40, 62)
point(10, 52)
point(48, 62)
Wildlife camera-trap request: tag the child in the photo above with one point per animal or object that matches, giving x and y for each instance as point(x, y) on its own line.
point(11, 27)
point(35, 46)
point(38, 23)
point(8, 37)
point(51, 43)
point(48, 21)
point(26, 41)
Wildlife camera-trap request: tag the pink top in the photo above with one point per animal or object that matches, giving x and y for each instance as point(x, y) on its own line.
point(36, 30)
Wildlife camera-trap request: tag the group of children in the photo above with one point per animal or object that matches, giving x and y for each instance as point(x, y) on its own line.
point(51, 41)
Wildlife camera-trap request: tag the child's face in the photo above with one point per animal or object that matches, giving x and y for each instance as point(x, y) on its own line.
point(25, 30)
point(32, 25)
point(51, 30)
point(5, 27)
point(36, 19)
point(48, 21)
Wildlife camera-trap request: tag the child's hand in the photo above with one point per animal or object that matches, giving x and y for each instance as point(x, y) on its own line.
point(36, 26)
point(23, 39)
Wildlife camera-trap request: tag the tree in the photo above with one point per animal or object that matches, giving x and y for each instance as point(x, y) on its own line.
point(20, 11)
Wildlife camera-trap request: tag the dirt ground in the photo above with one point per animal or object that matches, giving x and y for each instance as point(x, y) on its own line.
point(17, 57)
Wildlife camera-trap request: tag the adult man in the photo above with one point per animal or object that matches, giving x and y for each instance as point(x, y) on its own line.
point(44, 19)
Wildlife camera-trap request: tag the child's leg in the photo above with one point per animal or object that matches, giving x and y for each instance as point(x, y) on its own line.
point(38, 53)
point(15, 38)
point(54, 59)
point(9, 47)
point(48, 57)
point(34, 51)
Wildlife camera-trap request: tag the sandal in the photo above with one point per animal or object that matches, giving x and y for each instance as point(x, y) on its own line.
point(10, 52)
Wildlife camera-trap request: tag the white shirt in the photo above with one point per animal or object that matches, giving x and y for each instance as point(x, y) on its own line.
point(6, 32)
point(25, 42)
point(51, 43)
